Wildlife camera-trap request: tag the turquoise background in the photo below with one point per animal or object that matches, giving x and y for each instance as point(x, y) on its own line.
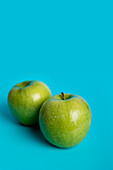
point(69, 46)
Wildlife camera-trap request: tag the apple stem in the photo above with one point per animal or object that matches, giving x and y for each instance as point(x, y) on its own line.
point(63, 97)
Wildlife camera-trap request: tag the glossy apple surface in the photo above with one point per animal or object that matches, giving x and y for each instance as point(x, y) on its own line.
point(25, 100)
point(65, 122)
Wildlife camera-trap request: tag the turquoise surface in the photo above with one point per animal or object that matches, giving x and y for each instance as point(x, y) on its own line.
point(69, 46)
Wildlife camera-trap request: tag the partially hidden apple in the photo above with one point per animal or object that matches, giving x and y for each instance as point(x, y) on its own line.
point(65, 119)
point(25, 100)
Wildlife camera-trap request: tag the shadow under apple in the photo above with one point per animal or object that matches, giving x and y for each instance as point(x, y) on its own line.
point(34, 131)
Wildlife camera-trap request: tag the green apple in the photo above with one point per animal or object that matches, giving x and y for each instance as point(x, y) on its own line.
point(65, 119)
point(25, 100)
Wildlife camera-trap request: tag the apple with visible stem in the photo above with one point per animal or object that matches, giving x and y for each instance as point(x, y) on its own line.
point(25, 100)
point(65, 119)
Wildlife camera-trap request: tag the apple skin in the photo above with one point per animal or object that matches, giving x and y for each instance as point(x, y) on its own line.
point(65, 123)
point(25, 100)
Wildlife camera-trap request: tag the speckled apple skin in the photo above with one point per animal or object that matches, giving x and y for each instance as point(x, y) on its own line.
point(25, 100)
point(65, 123)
